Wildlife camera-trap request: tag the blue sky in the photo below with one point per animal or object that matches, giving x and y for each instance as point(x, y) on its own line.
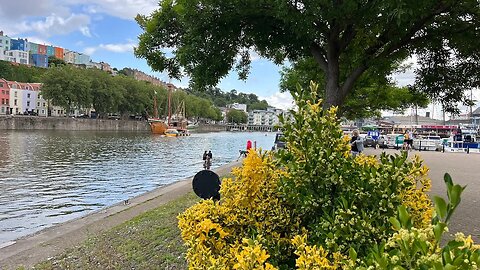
point(106, 30)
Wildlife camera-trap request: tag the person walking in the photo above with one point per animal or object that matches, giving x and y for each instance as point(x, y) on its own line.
point(356, 143)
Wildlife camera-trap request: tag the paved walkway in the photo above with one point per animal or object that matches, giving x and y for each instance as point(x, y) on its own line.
point(52, 241)
point(465, 170)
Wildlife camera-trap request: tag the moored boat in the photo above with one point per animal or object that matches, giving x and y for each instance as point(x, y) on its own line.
point(171, 132)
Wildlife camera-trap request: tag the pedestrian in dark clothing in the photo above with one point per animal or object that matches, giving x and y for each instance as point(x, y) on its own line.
point(205, 155)
point(209, 154)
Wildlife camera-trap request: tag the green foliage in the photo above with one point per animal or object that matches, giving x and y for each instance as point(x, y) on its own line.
point(221, 98)
point(414, 248)
point(53, 61)
point(372, 93)
point(237, 117)
point(344, 202)
point(346, 38)
point(20, 73)
point(72, 87)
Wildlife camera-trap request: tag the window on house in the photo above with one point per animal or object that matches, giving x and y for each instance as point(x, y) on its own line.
point(3, 109)
point(3, 101)
point(38, 104)
point(28, 103)
point(28, 95)
point(44, 104)
point(16, 110)
point(43, 111)
point(15, 94)
point(15, 102)
point(3, 92)
point(7, 102)
point(1, 84)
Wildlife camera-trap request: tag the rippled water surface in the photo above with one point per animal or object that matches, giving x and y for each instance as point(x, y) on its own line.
point(50, 177)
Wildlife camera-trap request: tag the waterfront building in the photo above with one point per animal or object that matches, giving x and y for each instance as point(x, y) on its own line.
point(17, 56)
point(58, 52)
point(15, 98)
point(20, 45)
point(238, 107)
point(50, 50)
point(45, 107)
point(4, 97)
point(267, 117)
point(29, 97)
point(39, 60)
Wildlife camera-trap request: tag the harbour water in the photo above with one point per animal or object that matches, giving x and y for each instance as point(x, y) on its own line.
point(49, 177)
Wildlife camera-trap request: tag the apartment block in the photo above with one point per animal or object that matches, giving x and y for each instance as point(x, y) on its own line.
point(17, 56)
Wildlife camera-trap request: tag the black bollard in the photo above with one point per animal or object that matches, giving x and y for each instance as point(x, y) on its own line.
point(468, 149)
point(420, 147)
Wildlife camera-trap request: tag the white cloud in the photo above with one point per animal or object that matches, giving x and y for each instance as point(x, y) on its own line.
point(118, 48)
point(280, 100)
point(52, 25)
point(125, 9)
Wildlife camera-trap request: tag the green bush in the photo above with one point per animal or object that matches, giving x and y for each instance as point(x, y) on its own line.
point(345, 201)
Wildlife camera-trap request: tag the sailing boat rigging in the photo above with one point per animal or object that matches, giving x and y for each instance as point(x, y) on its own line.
point(177, 125)
point(157, 125)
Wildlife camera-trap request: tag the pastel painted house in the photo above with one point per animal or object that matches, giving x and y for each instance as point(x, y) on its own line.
point(39, 60)
point(5, 42)
point(4, 97)
point(29, 96)
point(58, 53)
point(33, 48)
point(20, 45)
point(15, 98)
point(50, 50)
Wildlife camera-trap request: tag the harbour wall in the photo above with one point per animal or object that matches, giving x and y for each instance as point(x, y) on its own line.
point(65, 123)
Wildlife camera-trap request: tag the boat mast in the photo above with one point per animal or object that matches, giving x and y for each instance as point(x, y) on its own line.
point(169, 86)
point(155, 109)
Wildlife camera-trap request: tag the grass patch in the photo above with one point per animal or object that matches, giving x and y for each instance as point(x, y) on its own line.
point(150, 241)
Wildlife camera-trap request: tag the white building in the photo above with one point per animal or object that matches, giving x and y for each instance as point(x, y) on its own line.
point(238, 107)
point(267, 117)
point(15, 98)
point(17, 56)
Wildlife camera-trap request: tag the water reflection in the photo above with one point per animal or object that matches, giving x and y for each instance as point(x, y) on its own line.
point(51, 177)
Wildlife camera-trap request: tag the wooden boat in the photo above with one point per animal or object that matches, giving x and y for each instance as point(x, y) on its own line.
point(157, 125)
point(171, 132)
point(178, 121)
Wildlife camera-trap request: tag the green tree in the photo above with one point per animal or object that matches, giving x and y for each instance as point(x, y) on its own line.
point(237, 117)
point(53, 61)
point(346, 38)
point(67, 87)
point(371, 94)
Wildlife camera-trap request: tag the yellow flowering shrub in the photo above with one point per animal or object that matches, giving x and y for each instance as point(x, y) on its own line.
point(315, 206)
point(250, 207)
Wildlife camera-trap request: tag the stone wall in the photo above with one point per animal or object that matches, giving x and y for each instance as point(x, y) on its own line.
point(64, 123)
point(210, 128)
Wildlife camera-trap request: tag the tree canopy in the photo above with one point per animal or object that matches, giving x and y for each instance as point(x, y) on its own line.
point(346, 38)
point(236, 117)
